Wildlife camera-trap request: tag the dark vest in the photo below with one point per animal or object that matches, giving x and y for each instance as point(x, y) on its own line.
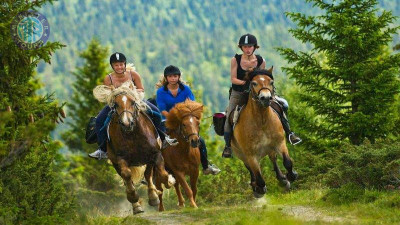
point(241, 73)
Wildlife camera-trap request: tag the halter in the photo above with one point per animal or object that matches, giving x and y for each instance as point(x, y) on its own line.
point(186, 138)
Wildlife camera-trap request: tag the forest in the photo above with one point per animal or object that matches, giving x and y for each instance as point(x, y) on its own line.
point(336, 62)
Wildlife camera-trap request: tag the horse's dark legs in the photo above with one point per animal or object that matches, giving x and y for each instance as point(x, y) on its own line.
point(131, 194)
point(259, 189)
point(151, 189)
point(279, 174)
point(160, 193)
point(287, 162)
point(163, 175)
point(252, 177)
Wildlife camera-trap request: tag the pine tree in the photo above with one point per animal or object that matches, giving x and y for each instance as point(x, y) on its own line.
point(31, 188)
point(349, 78)
point(92, 174)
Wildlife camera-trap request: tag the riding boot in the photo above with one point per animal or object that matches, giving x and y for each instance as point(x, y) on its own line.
point(227, 153)
point(290, 135)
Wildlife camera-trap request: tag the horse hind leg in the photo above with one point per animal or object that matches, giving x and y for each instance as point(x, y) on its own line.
point(152, 191)
point(287, 162)
point(279, 175)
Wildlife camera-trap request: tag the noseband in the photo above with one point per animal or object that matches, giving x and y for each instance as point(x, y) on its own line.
point(186, 137)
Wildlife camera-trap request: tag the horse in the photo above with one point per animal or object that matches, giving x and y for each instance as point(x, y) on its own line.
point(183, 123)
point(133, 146)
point(259, 132)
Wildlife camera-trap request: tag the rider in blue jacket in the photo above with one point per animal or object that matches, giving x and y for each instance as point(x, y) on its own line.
point(173, 91)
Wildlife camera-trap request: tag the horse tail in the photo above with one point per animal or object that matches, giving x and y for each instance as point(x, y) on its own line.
point(137, 173)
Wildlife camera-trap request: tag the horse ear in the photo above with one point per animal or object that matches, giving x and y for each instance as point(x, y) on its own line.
point(112, 87)
point(271, 69)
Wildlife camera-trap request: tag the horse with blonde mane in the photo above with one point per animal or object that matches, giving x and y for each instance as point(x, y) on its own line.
point(183, 123)
point(133, 146)
point(259, 132)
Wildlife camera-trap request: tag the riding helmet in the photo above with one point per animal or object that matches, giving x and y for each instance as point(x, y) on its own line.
point(248, 39)
point(171, 70)
point(117, 57)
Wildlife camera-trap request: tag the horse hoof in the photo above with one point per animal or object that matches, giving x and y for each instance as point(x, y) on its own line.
point(154, 202)
point(259, 192)
point(171, 181)
point(287, 186)
point(137, 210)
point(292, 176)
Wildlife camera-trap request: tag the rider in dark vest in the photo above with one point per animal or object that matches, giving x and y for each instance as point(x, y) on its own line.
point(239, 65)
point(116, 79)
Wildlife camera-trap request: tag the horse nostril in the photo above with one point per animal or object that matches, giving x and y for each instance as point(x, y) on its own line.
point(262, 98)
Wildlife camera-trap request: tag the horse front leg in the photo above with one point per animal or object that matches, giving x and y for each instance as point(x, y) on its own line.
point(259, 189)
point(181, 200)
point(165, 178)
point(279, 175)
point(180, 177)
point(291, 174)
point(193, 181)
point(131, 193)
point(252, 177)
point(151, 189)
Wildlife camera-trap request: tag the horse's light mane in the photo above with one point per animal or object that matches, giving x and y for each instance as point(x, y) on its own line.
point(107, 94)
point(181, 110)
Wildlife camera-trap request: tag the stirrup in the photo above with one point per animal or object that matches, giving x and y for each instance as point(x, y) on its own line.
point(296, 140)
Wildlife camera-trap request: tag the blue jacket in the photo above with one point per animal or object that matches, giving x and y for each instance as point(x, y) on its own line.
point(165, 99)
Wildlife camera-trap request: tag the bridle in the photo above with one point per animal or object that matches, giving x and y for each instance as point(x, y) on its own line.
point(255, 96)
point(134, 113)
point(181, 132)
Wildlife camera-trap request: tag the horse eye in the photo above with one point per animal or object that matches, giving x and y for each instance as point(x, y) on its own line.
point(253, 83)
point(272, 82)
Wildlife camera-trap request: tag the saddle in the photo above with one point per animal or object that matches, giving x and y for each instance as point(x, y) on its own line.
point(220, 117)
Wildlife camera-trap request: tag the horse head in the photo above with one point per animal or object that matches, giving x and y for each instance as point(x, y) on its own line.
point(261, 85)
point(126, 110)
point(185, 119)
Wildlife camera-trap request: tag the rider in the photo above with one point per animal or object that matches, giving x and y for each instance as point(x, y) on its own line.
point(116, 79)
point(239, 65)
point(172, 91)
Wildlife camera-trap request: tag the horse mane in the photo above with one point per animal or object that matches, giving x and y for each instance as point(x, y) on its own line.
point(181, 110)
point(251, 73)
point(107, 94)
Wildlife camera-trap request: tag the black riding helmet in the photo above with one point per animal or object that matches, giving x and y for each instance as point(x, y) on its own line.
point(171, 70)
point(248, 39)
point(117, 57)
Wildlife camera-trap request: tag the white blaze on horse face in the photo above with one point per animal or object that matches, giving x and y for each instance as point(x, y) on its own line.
point(265, 93)
point(125, 119)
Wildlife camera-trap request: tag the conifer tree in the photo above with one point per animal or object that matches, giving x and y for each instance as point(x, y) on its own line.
point(349, 78)
point(97, 175)
point(31, 188)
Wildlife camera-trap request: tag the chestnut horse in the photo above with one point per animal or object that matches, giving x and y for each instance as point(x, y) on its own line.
point(183, 123)
point(259, 132)
point(133, 142)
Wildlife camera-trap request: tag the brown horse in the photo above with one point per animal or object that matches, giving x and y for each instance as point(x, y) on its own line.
point(133, 142)
point(259, 132)
point(183, 123)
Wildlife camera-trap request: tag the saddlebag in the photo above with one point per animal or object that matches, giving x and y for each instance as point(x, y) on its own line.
point(91, 136)
point(219, 123)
